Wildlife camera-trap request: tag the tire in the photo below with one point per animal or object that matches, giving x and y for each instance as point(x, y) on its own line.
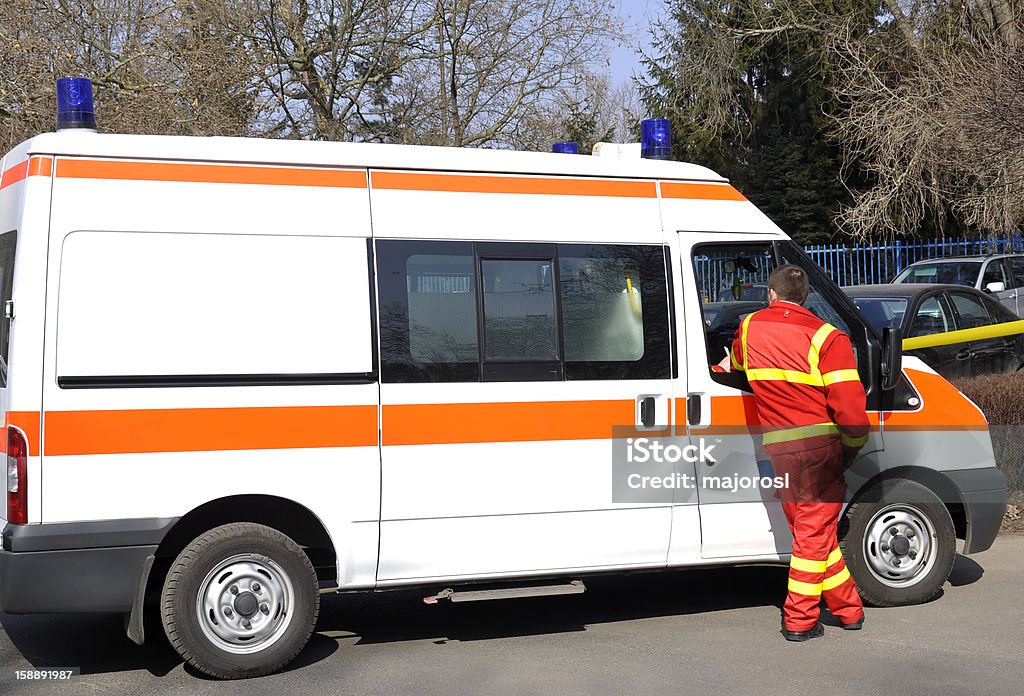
point(240, 601)
point(912, 570)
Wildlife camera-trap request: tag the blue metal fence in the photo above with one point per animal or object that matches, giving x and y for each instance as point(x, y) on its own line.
point(879, 263)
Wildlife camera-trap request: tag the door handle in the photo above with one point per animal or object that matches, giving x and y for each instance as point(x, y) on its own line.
point(647, 412)
point(965, 354)
point(693, 409)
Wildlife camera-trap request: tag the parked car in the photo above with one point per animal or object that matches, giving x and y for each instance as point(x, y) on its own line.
point(749, 292)
point(922, 309)
point(1000, 275)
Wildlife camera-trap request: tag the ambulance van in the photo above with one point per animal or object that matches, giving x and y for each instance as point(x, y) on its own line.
point(238, 374)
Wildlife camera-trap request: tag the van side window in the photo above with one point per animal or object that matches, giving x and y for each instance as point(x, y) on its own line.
point(614, 311)
point(511, 311)
point(428, 325)
point(519, 310)
point(8, 242)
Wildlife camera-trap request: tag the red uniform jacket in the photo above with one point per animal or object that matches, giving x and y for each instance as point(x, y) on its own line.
point(804, 376)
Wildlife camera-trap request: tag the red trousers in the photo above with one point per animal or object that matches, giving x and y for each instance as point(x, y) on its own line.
point(817, 569)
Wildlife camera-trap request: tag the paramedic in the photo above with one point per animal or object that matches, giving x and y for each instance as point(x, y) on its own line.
point(811, 406)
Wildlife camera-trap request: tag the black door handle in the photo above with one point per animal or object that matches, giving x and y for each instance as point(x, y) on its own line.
point(693, 409)
point(647, 412)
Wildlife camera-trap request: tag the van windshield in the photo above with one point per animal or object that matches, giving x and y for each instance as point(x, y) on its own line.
point(8, 240)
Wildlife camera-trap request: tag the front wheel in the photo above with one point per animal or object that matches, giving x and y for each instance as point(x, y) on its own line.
point(240, 601)
point(900, 543)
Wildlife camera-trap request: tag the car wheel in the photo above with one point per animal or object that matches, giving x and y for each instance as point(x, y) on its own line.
point(240, 601)
point(899, 543)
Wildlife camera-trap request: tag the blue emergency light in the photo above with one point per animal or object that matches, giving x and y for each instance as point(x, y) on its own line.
point(74, 104)
point(656, 139)
point(568, 148)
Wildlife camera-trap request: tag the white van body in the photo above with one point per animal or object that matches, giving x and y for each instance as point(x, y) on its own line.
point(201, 331)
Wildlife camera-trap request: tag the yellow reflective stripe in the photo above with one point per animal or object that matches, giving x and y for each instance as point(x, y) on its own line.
point(743, 341)
point(790, 434)
point(834, 557)
point(735, 363)
point(853, 441)
point(835, 581)
point(756, 373)
point(807, 566)
point(805, 588)
point(817, 341)
point(840, 376)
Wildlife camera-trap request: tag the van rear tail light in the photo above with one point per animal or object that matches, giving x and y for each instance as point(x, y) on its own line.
point(17, 476)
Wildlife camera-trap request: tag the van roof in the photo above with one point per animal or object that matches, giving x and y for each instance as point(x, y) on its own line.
point(373, 155)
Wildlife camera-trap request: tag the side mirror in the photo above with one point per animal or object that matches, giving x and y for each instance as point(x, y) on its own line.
point(997, 286)
point(892, 357)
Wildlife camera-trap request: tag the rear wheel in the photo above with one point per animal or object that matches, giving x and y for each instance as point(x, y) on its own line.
point(900, 543)
point(240, 601)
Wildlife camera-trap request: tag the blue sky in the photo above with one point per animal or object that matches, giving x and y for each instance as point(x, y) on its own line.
point(637, 16)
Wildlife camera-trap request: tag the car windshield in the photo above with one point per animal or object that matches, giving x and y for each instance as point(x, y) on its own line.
point(750, 292)
point(882, 311)
point(956, 272)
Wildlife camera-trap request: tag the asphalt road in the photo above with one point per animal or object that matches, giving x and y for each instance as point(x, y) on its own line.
point(688, 632)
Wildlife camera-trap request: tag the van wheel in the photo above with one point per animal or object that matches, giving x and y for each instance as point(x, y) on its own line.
point(899, 543)
point(240, 601)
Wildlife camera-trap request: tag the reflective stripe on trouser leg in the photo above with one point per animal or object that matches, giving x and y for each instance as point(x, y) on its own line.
point(814, 546)
point(840, 591)
point(807, 566)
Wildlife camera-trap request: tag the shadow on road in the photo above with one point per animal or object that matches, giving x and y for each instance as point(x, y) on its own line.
point(398, 616)
point(965, 571)
point(97, 643)
point(94, 642)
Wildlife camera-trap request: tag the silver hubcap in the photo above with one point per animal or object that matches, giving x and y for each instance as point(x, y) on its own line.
point(900, 545)
point(244, 604)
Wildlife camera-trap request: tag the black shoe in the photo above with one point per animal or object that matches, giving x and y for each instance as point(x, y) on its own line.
point(854, 625)
point(800, 636)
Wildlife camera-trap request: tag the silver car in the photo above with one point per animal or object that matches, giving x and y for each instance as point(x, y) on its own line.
point(999, 275)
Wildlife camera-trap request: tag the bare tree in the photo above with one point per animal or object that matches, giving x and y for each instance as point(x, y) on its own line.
point(157, 67)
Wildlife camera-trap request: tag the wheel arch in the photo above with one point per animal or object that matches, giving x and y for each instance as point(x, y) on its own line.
point(285, 515)
point(933, 480)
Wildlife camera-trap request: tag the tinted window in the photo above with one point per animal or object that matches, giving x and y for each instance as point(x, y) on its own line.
point(995, 272)
point(1016, 271)
point(882, 311)
point(931, 318)
point(519, 310)
point(428, 314)
point(614, 311)
point(8, 241)
point(955, 272)
point(970, 310)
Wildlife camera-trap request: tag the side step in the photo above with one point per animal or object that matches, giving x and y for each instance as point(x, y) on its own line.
point(574, 587)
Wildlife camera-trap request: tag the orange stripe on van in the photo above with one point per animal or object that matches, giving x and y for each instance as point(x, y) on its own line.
point(473, 183)
point(35, 166)
point(209, 173)
point(943, 407)
point(438, 424)
point(208, 429)
point(703, 192)
point(28, 422)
